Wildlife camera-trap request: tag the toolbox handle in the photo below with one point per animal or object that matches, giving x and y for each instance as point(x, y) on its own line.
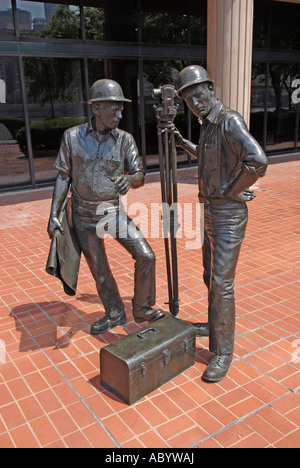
point(142, 334)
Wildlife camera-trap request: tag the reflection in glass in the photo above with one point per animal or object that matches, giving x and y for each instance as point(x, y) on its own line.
point(95, 70)
point(167, 23)
point(198, 30)
point(258, 102)
point(282, 110)
point(120, 20)
point(276, 25)
point(55, 102)
point(261, 25)
point(14, 167)
point(156, 74)
point(164, 28)
point(285, 21)
point(7, 27)
point(296, 101)
point(93, 21)
point(51, 20)
point(198, 22)
point(273, 109)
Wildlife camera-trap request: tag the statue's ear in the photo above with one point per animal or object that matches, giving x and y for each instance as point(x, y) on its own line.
point(96, 108)
point(211, 89)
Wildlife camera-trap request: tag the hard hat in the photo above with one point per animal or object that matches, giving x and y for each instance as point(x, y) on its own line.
point(106, 90)
point(190, 76)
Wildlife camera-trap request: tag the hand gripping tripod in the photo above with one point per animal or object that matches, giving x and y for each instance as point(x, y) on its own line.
point(165, 112)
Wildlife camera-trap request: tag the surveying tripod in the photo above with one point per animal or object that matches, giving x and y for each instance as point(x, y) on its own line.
point(165, 112)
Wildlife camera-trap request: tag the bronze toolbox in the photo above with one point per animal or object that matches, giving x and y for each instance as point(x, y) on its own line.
point(137, 364)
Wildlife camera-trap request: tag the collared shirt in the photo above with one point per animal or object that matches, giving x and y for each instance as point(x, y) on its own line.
point(225, 144)
point(92, 160)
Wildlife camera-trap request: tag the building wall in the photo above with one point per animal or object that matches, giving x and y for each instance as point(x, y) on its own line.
point(49, 62)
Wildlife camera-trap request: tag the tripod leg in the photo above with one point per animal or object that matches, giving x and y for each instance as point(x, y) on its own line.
point(164, 183)
point(174, 224)
point(168, 169)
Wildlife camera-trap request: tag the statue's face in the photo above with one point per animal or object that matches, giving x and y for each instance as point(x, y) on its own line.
point(199, 98)
point(108, 114)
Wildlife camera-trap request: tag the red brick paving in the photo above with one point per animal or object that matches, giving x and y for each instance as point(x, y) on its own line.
point(50, 393)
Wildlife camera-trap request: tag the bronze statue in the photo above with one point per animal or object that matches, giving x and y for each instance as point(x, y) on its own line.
point(229, 162)
point(99, 162)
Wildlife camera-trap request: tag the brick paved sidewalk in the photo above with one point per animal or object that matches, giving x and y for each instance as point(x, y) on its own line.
point(50, 395)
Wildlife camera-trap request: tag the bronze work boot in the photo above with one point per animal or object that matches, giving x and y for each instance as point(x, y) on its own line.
point(106, 323)
point(217, 368)
point(201, 329)
point(147, 314)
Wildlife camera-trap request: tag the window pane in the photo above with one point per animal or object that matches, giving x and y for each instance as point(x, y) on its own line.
point(6, 19)
point(260, 25)
point(258, 101)
point(120, 20)
point(276, 25)
point(51, 20)
point(298, 126)
point(285, 26)
point(95, 70)
point(198, 30)
point(93, 20)
point(164, 28)
point(281, 123)
point(274, 105)
point(156, 74)
point(198, 22)
point(171, 23)
point(14, 165)
point(55, 102)
point(296, 102)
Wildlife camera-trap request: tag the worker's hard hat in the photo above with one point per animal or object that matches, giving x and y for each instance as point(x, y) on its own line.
point(190, 76)
point(106, 90)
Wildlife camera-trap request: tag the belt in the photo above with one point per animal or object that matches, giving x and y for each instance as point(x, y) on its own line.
point(90, 203)
point(226, 202)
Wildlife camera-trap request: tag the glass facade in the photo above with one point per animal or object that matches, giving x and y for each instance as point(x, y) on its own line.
point(14, 163)
point(51, 20)
point(7, 27)
point(55, 101)
point(51, 52)
point(274, 108)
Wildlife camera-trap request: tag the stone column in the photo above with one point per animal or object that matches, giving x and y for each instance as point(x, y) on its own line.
point(229, 52)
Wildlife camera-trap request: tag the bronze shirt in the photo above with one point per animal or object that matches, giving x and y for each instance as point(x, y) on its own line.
point(225, 144)
point(93, 160)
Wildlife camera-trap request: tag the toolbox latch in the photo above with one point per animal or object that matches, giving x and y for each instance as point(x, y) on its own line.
point(186, 345)
point(143, 368)
point(166, 356)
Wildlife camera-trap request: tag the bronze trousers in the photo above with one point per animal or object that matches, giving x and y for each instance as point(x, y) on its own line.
point(224, 230)
point(89, 224)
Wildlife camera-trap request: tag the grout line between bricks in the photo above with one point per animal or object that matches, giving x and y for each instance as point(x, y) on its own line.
point(74, 390)
point(239, 420)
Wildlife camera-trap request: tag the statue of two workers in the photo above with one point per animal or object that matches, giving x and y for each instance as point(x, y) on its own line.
point(99, 162)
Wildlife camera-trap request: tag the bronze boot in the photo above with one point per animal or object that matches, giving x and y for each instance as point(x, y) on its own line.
point(106, 323)
point(147, 314)
point(217, 368)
